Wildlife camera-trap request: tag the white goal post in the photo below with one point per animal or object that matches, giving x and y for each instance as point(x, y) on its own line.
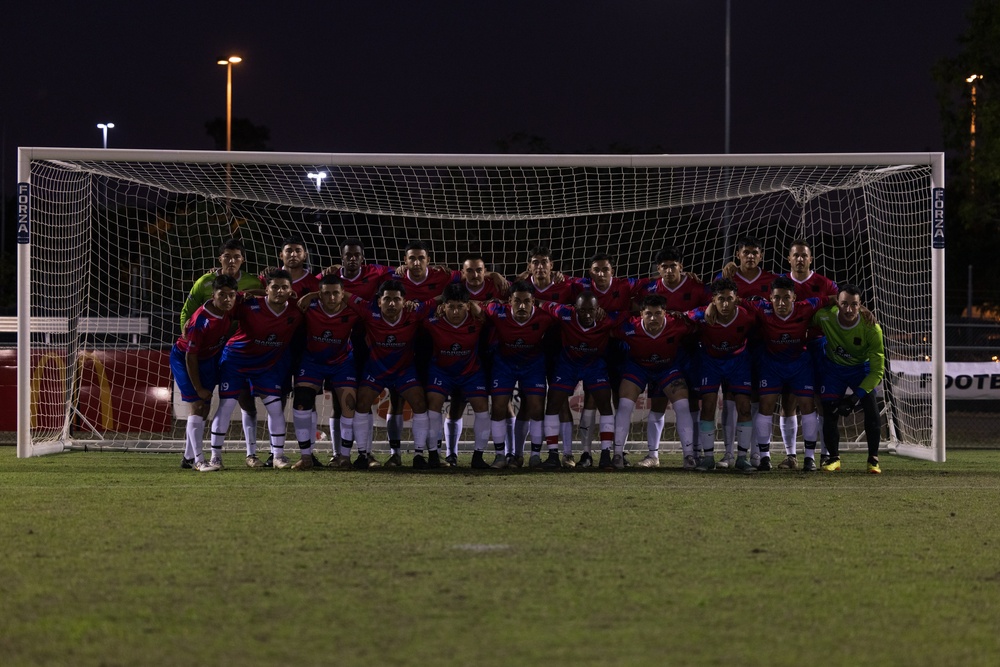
point(110, 242)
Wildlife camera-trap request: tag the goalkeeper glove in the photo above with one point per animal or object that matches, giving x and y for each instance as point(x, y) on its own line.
point(849, 404)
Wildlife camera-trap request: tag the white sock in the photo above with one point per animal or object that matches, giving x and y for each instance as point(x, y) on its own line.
point(606, 431)
point(249, 431)
point(452, 432)
point(220, 424)
point(729, 418)
point(685, 426)
point(623, 422)
point(336, 432)
point(394, 427)
point(789, 432)
point(654, 431)
point(498, 428)
point(763, 424)
point(362, 431)
point(587, 420)
point(346, 434)
point(566, 431)
point(303, 422)
point(481, 430)
point(744, 435)
point(510, 423)
point(435, 430)
point(420, 432)
point(275, 424)
point(706, 437)
point(194, 434)
point(550, 428)
point(521, 428)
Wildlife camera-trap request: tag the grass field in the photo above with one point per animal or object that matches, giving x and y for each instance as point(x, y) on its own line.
point(124, 559)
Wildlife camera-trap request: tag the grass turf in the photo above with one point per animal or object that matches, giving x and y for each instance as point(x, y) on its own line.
point(124, 559)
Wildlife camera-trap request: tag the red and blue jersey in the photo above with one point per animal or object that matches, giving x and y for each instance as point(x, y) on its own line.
point(759, 286)
point(724, 341)
point(328, 337)
point(487, 291)
point(455, 347)
point(690, 293)
point(430, 287)
point(579, 344)
point(515, 342)
point(263, 335)
point(556, 292)
point(368, 280)
point(205, 334)
point(654, 352)
point(616, 299)
point(815, 286)
point(785, 338)
point(390, 344)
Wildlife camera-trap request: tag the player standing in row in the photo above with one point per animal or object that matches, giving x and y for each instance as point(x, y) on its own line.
point(232, 256)
point(655, 341)
point(328, 359)
point(785, 366)
point(752, 281)
point(724, 331)
point(257, 357)
point(519, 330)
point(194, 361)
point(855, 360)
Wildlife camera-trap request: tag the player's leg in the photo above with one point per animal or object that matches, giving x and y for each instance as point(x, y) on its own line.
point(764, 425)
point(413, 393)
point(677, 392)
point(303, 409)
point(368, 392)
point(346, 398)
point(558, 402)
point(632, 384)
point(873, 430)
point(454, 425)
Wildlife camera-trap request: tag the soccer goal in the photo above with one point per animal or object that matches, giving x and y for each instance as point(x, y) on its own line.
point(112, 240)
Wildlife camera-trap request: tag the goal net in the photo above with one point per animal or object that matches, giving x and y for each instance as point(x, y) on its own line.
point(113, 240)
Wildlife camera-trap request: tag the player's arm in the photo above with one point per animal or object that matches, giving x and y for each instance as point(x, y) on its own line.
point(499, 282)
point(876, 358)
point(306, 299)
point(197, 297)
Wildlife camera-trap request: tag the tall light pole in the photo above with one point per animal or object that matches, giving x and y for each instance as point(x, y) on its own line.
point(229, 62)
point(104, 127)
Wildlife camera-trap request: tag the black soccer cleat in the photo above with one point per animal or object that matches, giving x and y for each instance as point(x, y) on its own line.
point(187, 464)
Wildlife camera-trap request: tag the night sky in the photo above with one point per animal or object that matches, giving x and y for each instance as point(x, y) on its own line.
point(431, 76)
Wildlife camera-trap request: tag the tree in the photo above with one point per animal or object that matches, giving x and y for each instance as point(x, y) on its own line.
point(973, 178)
point(245, 135)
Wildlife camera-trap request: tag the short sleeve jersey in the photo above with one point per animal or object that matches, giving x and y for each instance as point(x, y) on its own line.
point(328, 337)
point(515, 342)
point(390, 344)
point(724, 341)
point(616, 299)
point(759, 286)
point(785, 338)
point(690, 293)
point(455, 347)
point(263, 334)
point(556, 292)
point(655, 352)
point(205, 334)
point(581, 344)
point(430, 287)
point(367, 282)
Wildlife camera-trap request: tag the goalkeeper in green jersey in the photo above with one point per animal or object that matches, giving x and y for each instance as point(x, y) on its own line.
point(231, 258)
point(854, 359)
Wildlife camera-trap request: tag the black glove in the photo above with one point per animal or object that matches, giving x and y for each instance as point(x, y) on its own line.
point(848, 404)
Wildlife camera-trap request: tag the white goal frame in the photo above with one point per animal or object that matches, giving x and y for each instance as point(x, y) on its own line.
point(25, 323)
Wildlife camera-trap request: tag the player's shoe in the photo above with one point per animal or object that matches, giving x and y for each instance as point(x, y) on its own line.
point(649, 461)
point(316, 462)
point(515, 461)
point(434, 459)
point(217, 462)
point(254, 462)
point(605, 462)
point(204, 466)
point(618, 462)
point(269, 462)
point(551, 462)
point(586, 461)
point(625, 461)
point(343, 462)
point(535, 461)
point(187, 464)
point(808, 464)
point(873, 467)
point(419, 462)
point(725, 462)
point(765, 464)
point(823, 460)
point(478, 462)
point(707, 463)
point(394, 461)
point(791, 462)
point(282, 462)
point(744, 466)
point(755, 460)
point(499, 462)
point(361, 462)
point(568, 461)
point(373, 462)
point(304, 463)
point(451, 460)
point(832, 465)
point(690, 462)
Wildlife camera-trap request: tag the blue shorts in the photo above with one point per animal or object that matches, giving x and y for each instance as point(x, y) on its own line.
point(566, 374)
point(835, 379)
point(339, 375)
point(378, 378)
point(656, 380)
point(261, 381)
point(796, 375)
point(469, 385)
point(733, 370)
point(530, 377)
point(208, 373)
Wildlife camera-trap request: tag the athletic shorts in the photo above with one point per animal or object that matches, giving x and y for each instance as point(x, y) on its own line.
point(208, 373)
point(797, 376)
point(567, 374)
point(269, 381)
point(529, 376)
point(735, 371)
point(469, 385)
point(333, 376)
point(656, 380)
point(835, 379)
point(378, 378)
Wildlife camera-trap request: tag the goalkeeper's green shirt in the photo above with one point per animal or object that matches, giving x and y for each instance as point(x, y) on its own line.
point(854, 345)
point(201, 292)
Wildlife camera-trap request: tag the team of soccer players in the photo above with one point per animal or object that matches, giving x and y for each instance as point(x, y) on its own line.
point(428, 333)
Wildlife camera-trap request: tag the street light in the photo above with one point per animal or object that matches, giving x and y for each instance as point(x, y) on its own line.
point(229, 62)
point(318, 176)
point(105, 127)
point(972, 128)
